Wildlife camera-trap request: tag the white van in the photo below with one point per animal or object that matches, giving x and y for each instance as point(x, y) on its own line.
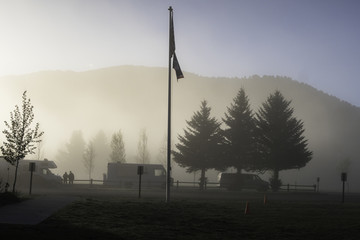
point(126, 175)
point(42, 175)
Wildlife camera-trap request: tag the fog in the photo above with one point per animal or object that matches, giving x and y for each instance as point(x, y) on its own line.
point(130, 99)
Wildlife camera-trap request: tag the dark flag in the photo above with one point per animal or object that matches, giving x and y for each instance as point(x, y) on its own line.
point(176, 65)
point(177, 68)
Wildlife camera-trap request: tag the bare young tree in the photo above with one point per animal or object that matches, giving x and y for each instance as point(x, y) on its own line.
point(39, 154)
point(143, 152)
point(162, 154)
point(117, 148)
point(21, 138)
point(89, 157)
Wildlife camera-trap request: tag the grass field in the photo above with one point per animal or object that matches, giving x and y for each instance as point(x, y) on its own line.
point(99, 218)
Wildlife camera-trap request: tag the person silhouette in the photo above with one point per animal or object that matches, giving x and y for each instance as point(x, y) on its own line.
point(65, 177)
point(71, 178)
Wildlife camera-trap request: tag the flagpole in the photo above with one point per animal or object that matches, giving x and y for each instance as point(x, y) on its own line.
point(168, 169)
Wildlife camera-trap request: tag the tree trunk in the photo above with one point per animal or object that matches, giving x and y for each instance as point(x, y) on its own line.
point(202, 179)
point(15, 178)
point(275, 182)
point(276, 174)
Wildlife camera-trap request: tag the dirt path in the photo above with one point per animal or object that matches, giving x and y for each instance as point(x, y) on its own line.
point(35, 210)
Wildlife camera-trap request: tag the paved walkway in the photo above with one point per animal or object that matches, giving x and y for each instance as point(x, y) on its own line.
point(35, 210)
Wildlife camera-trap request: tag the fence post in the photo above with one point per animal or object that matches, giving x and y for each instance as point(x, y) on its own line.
point(318, 183)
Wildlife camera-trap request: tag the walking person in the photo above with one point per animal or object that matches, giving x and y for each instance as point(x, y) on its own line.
point(65, 177)
point(71, 178)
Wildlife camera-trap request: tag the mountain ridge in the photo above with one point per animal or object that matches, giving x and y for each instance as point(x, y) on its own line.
point(135, 97)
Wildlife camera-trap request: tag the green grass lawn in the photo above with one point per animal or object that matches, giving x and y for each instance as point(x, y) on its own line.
point(191, 219)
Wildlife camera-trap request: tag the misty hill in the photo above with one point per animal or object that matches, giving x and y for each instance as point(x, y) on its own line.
point(132, 98)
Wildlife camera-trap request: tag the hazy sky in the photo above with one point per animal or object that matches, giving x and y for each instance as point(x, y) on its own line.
point(312, 41)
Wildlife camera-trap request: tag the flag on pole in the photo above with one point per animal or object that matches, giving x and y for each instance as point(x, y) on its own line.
point(177, 68)
point(179, 74)
point(172, 36)
point(176, 65)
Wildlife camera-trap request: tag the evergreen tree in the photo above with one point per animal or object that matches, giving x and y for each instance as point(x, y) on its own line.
point(117, 148)
point(102, 149)
point(21, 138)
point(280, 138)
point(71, 157)
point(200, 147)
point(239, 134)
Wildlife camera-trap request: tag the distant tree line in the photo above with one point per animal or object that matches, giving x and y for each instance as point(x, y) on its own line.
point(269, 140)
point(22, 140)
point(77, 150)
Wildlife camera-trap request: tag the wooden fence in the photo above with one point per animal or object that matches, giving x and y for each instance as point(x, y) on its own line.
point(88, 181)
point(179, 184)
point(296, 187)
point(210, 185)
point(287, 187)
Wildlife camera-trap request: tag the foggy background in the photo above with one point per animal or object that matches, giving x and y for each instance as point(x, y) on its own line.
point(315, 42)
point(98, 103)
point(64, 53)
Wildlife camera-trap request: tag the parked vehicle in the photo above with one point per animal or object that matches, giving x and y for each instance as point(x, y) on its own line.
point(235, 181)
point(126, 175)
point(42, 175)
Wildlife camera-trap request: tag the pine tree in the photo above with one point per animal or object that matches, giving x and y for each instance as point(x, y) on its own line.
point(200, 147)
point(239, 135)
point(71, 156)
point(21, 138)
point(102, 149)
point(117, 148)
point(280, 138)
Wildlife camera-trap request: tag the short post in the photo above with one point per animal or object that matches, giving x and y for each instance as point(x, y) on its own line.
point(91, 181)
point(177, 184)
point(343, 179)
point(288, 187)
point(31, 169)
point(140, 171)
point(318, 184)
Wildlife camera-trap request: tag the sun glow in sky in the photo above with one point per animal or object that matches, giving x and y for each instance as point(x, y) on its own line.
point(315, 42)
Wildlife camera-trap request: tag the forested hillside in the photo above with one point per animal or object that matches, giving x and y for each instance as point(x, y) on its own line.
point(133, 98)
